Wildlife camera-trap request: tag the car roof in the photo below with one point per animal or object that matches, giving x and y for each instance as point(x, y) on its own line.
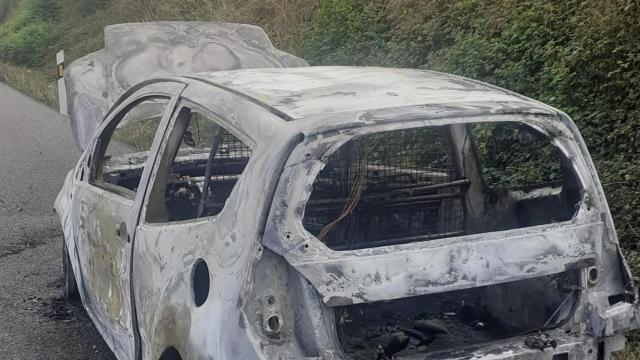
point(305, 92)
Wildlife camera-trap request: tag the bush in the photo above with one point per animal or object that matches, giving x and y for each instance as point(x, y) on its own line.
point(29, 46)
point(5, 6)
point(88, 7)
point(28, 38)
point(347, 32)
point(42, 10)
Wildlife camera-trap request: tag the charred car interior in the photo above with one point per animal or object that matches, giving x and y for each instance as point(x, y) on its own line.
point(205, 162)
point(206, 157)
point(458, 319)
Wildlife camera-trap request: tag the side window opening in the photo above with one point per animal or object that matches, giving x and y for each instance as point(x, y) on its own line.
point(404, 186)
point(206, 163)
point(124, 148)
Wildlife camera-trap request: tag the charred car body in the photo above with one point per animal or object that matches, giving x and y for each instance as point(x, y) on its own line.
point(341, 212)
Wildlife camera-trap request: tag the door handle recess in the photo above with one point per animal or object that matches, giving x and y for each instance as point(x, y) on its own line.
point(122, 233)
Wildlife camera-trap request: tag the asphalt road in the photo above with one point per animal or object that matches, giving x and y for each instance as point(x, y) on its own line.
point(36, 152)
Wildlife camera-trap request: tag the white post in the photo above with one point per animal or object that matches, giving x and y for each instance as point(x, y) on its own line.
point(62, 89)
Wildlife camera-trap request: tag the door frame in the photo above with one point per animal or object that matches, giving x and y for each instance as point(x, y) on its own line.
point(171, 90)
point(202, 228)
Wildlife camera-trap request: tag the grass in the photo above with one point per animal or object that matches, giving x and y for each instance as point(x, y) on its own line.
point(33, 82)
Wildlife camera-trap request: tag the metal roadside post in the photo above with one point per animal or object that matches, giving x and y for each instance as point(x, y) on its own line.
point(62, 89)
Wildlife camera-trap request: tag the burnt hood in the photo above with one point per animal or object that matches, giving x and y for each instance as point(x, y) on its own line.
point(137, 52)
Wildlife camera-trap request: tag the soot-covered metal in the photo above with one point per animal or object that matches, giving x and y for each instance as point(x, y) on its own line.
point(341, 212)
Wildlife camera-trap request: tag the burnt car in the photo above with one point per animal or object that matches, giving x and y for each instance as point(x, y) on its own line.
point(342, 213)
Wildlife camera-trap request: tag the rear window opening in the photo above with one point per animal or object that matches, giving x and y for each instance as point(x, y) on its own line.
point(457, 319)
point(428, 183)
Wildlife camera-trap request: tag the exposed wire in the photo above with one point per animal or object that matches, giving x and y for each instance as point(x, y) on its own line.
point(354, 196)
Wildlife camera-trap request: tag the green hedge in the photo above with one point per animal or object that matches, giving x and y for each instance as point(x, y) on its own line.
point(29, 46)
point(5, 6)
point(580, 56)
point(28, 38)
